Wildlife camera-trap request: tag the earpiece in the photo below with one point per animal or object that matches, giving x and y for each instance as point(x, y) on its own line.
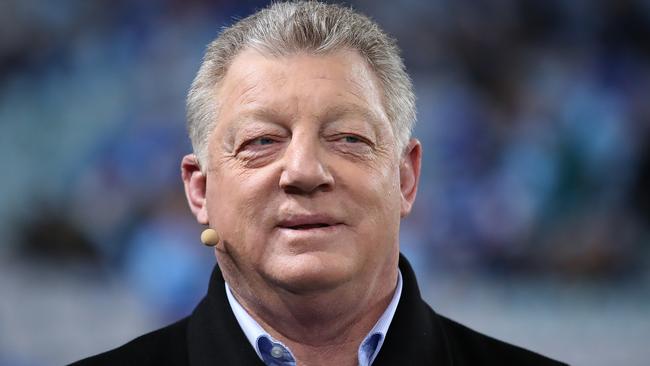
point(209, 237)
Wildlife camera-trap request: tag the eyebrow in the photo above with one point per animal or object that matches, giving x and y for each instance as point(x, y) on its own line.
point(341, 110)
point(260, 114)
point(273, 115)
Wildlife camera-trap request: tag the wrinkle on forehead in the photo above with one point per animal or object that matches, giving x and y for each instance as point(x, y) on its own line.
point(358, 70)
point(253, 87)
point(248, 87)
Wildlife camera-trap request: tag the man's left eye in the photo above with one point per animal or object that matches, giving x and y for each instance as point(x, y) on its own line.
point(263, 141)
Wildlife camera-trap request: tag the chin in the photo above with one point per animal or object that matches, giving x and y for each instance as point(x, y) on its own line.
point(310, 272)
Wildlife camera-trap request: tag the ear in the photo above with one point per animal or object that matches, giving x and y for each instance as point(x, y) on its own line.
point(195, 187)
point(409, 174)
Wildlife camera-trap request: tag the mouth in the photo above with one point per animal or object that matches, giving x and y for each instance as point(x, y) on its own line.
point(308, 222)
point(306, 226)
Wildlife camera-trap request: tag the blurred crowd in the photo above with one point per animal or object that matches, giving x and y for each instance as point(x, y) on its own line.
point(536, 126)
point(534, 117)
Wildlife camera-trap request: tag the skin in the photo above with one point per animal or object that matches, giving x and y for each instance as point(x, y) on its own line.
point(303, 141)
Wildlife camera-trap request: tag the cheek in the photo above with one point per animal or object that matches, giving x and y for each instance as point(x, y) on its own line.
point(237, 200)
point(236, 209)
point(376, 193)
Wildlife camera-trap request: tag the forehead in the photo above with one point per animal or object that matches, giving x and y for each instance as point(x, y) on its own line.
point(339, 82)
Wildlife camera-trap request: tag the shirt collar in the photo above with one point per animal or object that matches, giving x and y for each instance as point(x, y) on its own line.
point(268, 348)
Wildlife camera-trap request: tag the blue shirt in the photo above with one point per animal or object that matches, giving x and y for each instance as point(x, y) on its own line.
point(274, 353)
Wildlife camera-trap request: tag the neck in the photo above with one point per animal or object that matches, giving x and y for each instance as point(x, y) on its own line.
point(320, 328)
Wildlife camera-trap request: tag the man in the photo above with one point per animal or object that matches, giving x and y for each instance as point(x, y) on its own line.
point(300, 118)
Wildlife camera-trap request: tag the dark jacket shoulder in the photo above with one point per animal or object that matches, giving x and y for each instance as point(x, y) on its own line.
point(470, 347)
point(165, 346)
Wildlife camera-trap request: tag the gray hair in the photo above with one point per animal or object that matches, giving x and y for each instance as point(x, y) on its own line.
point(289, 27)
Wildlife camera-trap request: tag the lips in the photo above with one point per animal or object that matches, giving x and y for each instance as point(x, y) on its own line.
point(307, 222)
point(306, 227)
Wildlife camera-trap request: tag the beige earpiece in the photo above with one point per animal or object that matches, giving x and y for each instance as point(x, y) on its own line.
point(209, 237)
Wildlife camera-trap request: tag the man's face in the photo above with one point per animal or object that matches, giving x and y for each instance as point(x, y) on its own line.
point(304, 181)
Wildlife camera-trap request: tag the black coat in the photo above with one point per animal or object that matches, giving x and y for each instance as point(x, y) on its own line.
point(417, 336)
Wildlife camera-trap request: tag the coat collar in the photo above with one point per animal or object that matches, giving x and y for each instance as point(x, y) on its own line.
point(214, 336)
point(414, 336)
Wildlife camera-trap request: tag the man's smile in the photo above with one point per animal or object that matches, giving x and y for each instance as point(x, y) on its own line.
point(307, 222)
point(309, 227)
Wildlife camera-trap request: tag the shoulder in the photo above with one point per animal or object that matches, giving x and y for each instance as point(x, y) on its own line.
point(470, 347)
point(165, 346)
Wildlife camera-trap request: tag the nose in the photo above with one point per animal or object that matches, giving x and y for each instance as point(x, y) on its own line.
point(304, 171)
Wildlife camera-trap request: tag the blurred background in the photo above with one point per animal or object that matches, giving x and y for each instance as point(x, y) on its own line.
point(532, 222)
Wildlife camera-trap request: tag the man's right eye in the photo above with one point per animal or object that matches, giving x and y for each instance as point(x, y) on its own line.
point(259, 144)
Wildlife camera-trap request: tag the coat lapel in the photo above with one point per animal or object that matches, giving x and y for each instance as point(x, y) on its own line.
point(415, 336)
point(214, 336)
